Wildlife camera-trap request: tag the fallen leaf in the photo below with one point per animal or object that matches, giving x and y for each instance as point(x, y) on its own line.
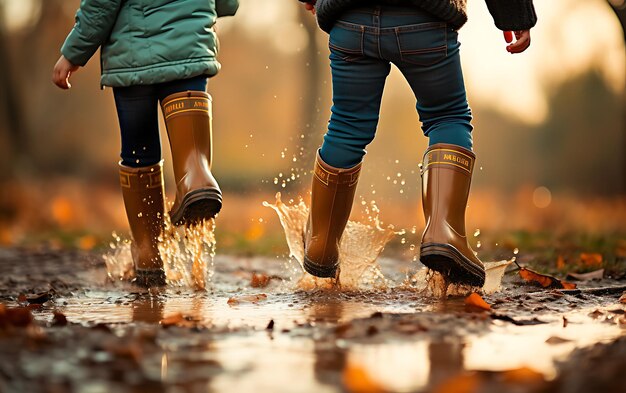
point(622, 299)
point(59, 319)
point(554, 340)
point(560, 262)
point(517, 322)
point(38, 298)
point(259, 280)
point(356, 380)
point(595, 275)
point(172, 320)
point(462, 383)
point(595, 314)
point(475, 301)
point(15, 316)
point(246, 299)
point(591, 259)
point(523, 375)
point(544, 280)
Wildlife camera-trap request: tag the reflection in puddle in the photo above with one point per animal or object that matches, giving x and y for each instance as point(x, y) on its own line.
point(298, 334)
point(416, 343)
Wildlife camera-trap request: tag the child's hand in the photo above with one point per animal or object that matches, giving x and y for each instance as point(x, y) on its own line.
point(62, 71)
point(309, 5)
point(522, 41)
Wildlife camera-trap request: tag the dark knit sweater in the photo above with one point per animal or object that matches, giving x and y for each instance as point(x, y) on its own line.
point(507, 14)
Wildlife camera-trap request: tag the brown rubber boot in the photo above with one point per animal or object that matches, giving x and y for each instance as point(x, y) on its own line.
point(142, 189)
point(332, 194)
point(188, 120)
point(446, 177)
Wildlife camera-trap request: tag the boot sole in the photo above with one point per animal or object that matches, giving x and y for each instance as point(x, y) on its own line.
point(149, 278)
point(448, 261)
point(198, 205)
point(323, 271)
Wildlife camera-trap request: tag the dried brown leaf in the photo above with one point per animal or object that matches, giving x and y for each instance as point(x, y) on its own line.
point(595, 275)
point(544, 280)
point(260, 280)
point(475, 301)
point(15, 316)
point(554, 340)
point(59, 319)
point(622, 299)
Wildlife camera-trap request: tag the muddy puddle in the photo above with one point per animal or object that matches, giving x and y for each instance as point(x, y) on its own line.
point(284, 338)
point(228, 323)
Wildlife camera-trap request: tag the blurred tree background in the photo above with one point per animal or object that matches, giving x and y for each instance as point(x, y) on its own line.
point(549, 123)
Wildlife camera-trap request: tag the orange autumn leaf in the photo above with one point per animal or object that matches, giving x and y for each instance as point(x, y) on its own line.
point(259, 280)
point(474, 300)
point(356, 380)
point(560, 262)
point(522, 375)
point(172, 320)
point(544, 280)
point(462, 383)
point(591, 259)
point(62, 211)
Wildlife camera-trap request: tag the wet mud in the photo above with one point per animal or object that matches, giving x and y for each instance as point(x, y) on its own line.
point(257, 327)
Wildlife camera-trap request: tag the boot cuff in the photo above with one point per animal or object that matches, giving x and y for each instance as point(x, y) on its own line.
point(449, 156)
point(330, 175)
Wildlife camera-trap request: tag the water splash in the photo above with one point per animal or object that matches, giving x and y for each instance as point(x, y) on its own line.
point(187, 254)
point(360, 246)
point(437, 285)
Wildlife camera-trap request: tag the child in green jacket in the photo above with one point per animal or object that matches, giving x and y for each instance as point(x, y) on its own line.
point(159, 51)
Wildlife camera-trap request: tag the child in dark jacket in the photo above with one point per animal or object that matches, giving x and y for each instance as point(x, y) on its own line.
point(420, 38)
point(161, 51)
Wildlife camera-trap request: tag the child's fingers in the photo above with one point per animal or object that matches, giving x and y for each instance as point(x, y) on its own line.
point(60, 79)
point(522, 43)
point(508, 36)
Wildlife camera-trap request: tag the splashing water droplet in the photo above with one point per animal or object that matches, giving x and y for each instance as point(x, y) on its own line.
point(477, 233)
point(140, 215)
point(360, 246)
point(478, 244)
point(515, 251)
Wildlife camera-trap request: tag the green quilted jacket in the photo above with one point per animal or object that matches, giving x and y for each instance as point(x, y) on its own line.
point(147, 41)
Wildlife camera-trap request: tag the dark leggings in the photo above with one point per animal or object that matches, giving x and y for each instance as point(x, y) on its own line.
point(137, 110)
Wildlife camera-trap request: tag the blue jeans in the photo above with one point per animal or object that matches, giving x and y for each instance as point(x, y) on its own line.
point(363, 44)
point(138, 113)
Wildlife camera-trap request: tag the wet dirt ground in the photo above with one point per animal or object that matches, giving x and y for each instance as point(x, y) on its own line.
point(265, 334)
